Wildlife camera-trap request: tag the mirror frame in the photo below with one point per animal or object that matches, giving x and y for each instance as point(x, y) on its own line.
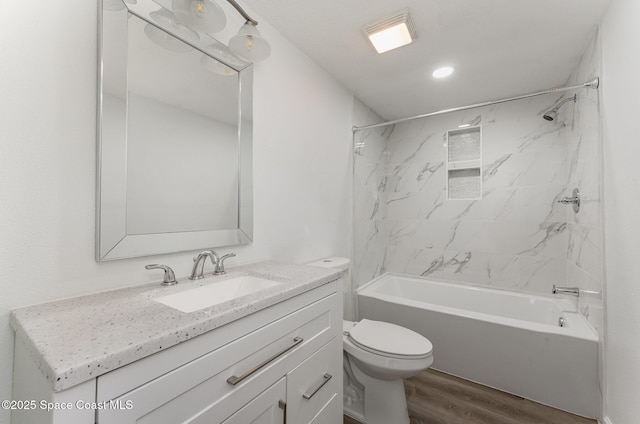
point(118, 244)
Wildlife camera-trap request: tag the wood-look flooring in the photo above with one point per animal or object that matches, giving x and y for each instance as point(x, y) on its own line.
point(434, 397)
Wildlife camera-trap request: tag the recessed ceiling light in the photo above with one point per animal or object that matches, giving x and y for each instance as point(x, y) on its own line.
point(443, 72)
point(390, 32)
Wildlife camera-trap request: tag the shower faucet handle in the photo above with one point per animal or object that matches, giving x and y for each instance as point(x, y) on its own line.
point(574, 200)
point(575, 291)
point(569, 200)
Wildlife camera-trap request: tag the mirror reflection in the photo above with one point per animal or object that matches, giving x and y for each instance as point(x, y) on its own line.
point(175, 139)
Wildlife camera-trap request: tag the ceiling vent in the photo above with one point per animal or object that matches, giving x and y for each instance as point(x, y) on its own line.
point(392, 31)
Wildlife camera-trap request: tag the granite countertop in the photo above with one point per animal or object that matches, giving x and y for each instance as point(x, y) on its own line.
point(77, 339)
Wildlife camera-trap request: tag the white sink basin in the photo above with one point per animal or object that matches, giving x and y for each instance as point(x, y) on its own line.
point(214, 293)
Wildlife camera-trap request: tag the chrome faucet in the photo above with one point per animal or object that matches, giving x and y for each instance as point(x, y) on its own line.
point(220, 264)
point(197, 272)
point(575, 291)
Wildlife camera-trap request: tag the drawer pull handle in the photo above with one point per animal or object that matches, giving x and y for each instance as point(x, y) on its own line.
point(283, 405)
point(233, 380)
point(325, 380)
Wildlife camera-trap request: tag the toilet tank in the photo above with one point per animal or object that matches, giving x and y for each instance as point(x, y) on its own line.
point(332, 262)
point(347, 294)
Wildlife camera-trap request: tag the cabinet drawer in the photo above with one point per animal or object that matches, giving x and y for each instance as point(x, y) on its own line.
point(314, 383)
point(199, 391)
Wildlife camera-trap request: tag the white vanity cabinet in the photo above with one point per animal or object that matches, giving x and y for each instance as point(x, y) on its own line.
point(267, 408)
point(280, 364)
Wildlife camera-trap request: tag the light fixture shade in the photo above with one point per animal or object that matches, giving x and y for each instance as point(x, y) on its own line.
point(113, 5)
point(167, 19)
point(166, 40)
point(200, 15)
point(212, 65)
point(249, 44)
point(222, 52)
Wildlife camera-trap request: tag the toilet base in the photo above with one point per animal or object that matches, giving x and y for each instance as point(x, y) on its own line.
point(354, 409)
point(384, 401)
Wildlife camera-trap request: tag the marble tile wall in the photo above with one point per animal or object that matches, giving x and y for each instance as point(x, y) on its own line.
point(585, 229)
point(517, 236)
point(369, 230)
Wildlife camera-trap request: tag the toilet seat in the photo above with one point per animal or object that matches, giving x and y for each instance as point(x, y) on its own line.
point(389, 340)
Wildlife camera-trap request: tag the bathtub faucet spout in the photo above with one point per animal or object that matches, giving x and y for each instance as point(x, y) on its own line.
point(575, 291)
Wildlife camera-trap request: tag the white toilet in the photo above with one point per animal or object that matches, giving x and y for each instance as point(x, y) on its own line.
point(377, 356)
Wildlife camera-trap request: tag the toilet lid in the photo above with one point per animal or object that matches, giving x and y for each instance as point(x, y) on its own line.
point(390, 339)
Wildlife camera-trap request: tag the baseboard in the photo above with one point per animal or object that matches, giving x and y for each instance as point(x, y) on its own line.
point(607, 420)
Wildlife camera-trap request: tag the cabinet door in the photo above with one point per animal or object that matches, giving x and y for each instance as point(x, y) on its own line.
point(331, 413)
point(267, 408)
point(313, 385)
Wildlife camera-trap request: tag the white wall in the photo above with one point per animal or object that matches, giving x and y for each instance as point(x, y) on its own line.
point(621, 86)
point(302, 145)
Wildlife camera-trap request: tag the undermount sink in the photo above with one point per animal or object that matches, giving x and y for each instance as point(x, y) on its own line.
point(214, 293)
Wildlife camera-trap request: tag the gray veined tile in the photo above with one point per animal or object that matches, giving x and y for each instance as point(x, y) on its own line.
point(420, 176)
point(414, 261)
point(546, 239)
point(467, 266)
point(527, 273)
point(585, 248)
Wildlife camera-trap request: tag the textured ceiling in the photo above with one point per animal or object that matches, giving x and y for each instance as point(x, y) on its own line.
point(500, 48)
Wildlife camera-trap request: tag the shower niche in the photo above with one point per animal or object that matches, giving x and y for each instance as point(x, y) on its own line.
point(464, 163)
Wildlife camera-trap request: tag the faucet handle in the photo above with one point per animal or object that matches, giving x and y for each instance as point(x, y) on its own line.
point(169, 275)
point(220, 264)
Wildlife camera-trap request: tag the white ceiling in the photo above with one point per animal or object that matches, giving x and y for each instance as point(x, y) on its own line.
point(500, 48)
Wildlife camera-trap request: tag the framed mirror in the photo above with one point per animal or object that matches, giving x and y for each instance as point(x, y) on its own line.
point(174, 136)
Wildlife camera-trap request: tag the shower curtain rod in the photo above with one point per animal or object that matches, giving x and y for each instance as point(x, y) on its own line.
point(594, 83)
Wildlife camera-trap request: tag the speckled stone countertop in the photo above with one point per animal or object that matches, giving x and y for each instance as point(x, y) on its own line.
point(75, 340)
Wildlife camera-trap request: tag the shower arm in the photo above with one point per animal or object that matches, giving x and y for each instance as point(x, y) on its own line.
point(594, 83)
point(568, 99)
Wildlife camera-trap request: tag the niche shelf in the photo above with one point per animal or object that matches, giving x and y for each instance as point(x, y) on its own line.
point(464, 163)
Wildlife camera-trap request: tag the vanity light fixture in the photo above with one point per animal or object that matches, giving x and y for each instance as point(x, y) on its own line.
point(200, 15)
point(249, 44)
point(206, 16)
point(392, 31)
point(168, 19)
point(218, 67)
point(166, 40)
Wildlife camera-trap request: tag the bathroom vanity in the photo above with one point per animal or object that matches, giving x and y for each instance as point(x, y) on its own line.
point(122, 357)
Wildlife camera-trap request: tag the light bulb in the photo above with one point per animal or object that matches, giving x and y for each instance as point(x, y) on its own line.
point(200, 10)
point(200, 15)
point(249, 44)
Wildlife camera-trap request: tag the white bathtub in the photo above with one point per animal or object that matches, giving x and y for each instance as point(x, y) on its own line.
point(507, 340)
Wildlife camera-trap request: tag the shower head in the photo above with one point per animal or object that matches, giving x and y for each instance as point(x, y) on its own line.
point(552, 114)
